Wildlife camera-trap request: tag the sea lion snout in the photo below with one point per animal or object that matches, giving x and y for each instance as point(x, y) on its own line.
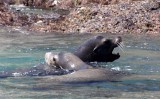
point(118, 40)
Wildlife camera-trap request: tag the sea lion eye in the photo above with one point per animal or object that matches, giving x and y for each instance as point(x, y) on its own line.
point(118, 39)
point(54, 59)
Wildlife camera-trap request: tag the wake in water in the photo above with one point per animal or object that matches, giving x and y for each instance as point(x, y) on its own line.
point(39, 70)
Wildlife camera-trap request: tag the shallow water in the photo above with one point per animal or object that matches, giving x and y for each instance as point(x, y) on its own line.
point(21, 49)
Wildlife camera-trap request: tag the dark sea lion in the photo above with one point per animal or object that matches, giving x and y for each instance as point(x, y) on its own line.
point(65, 60)
point(98, 49)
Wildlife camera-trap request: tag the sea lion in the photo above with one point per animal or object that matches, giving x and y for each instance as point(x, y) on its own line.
point(65, 60)
point(98, 49)
point(82, 72)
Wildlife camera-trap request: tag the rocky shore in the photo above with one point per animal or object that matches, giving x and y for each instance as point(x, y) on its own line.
point(85, 16)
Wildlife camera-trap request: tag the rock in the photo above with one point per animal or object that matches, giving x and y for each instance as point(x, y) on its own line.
point(88, 16)
point(151, 5)
point(7, 1)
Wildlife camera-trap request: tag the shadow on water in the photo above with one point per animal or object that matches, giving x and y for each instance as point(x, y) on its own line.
point(23, 50)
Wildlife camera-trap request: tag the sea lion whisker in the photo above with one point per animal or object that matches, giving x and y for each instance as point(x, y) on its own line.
point(120, 46)
point(121, 49)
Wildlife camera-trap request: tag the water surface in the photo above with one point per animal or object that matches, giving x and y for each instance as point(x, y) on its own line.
point(23, 49)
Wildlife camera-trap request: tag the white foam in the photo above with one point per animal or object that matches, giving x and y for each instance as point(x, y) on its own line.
point(16, 74)
point(116, 68)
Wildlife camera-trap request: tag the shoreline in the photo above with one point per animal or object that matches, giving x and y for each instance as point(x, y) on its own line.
point(138, 18)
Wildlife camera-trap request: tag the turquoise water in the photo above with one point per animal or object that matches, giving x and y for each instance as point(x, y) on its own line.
point(23, 49)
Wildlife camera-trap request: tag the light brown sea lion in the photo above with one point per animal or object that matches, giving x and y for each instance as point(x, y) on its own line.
point(65, 60)
point(82, 72)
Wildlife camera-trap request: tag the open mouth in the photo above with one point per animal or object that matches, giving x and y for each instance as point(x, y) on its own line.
point(117, 42)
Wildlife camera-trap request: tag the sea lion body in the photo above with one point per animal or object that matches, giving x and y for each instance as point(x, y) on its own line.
point(89, 75)
point(65, 60)
point(98, 49)
point(85, 50)
point(82, 72)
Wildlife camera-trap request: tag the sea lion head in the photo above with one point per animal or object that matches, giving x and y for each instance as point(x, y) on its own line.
point(107, 45)
point(65, 60)
point(50, 58)
point(117, 41)
point(104, 50)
